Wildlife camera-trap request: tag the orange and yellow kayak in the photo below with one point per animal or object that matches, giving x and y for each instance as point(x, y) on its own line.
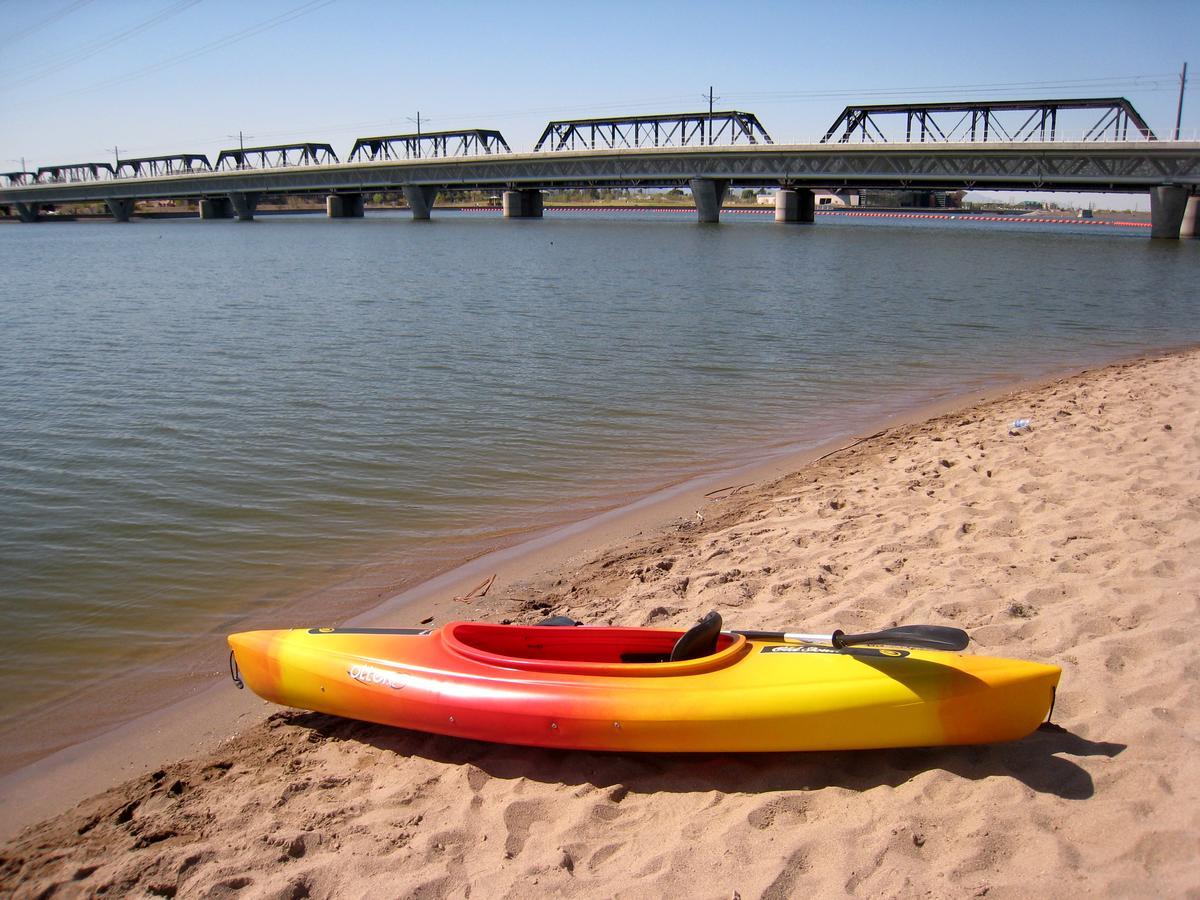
point(601, 688)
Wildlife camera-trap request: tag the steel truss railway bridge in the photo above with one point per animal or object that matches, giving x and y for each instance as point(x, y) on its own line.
point(1014, 145)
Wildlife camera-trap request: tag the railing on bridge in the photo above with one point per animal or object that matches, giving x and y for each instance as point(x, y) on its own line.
point(990, 121)
point(75, 172)
point(429, 144)
point(150, 166)
point(278, 156)
point(15, 179)
point(675, 130)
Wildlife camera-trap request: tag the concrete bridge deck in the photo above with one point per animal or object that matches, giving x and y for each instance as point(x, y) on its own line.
point(1168, 170)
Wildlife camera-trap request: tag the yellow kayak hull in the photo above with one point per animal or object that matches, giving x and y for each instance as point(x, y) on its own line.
point(591, 688)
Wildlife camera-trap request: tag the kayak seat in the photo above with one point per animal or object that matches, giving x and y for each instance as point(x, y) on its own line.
point(699, 640)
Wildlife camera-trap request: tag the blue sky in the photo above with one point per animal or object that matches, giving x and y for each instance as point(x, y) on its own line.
point(78, 77)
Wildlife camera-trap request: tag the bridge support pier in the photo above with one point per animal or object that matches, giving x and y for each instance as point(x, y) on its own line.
point(795, 205)
point(1168, 202)
point(421, 197)
point(1191, 214)
point(215, 208)
point(120, 209)
point(244, 205)
point(523, 204)
point(27, 212)
point(344, 206)
point(708, 194)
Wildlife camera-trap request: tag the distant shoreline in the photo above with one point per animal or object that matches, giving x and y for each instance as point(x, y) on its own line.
point(1133, 218)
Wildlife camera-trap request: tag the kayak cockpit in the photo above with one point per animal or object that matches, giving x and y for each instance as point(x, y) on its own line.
point(593, 650)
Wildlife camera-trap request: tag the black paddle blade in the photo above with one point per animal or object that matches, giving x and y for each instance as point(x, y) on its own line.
point(927, 637)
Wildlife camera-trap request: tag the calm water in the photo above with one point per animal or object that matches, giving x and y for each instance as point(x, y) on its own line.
point(202, 421)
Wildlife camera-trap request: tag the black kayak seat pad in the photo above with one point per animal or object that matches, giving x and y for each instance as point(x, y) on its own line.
point(699, 640)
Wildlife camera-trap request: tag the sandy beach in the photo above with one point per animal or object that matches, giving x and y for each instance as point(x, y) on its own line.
point(1075, 541)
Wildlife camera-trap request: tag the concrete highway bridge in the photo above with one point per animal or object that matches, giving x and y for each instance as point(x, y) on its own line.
point(708, 153)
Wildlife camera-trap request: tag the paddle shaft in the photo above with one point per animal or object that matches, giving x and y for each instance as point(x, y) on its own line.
point(792, 637)
point(930, 637)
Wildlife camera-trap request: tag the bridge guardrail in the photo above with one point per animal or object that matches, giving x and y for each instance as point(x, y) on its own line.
point(103, 172)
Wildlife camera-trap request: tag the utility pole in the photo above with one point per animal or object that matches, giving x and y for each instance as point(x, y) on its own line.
point(418, 121)
point(1179, 111)
point(117, 157)
point(709, 97)
point(241, 148)
point(710, 106)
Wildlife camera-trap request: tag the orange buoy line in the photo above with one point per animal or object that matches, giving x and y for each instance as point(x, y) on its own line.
point(879, 214)
point(977, 218)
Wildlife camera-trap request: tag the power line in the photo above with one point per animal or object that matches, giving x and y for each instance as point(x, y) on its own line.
point(628, 106)
point(1144, 82)
point(49, 20)
point(359, 128)
point(87, 51)
point(1159, 81)
point(274, 22)
point(490, 116)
